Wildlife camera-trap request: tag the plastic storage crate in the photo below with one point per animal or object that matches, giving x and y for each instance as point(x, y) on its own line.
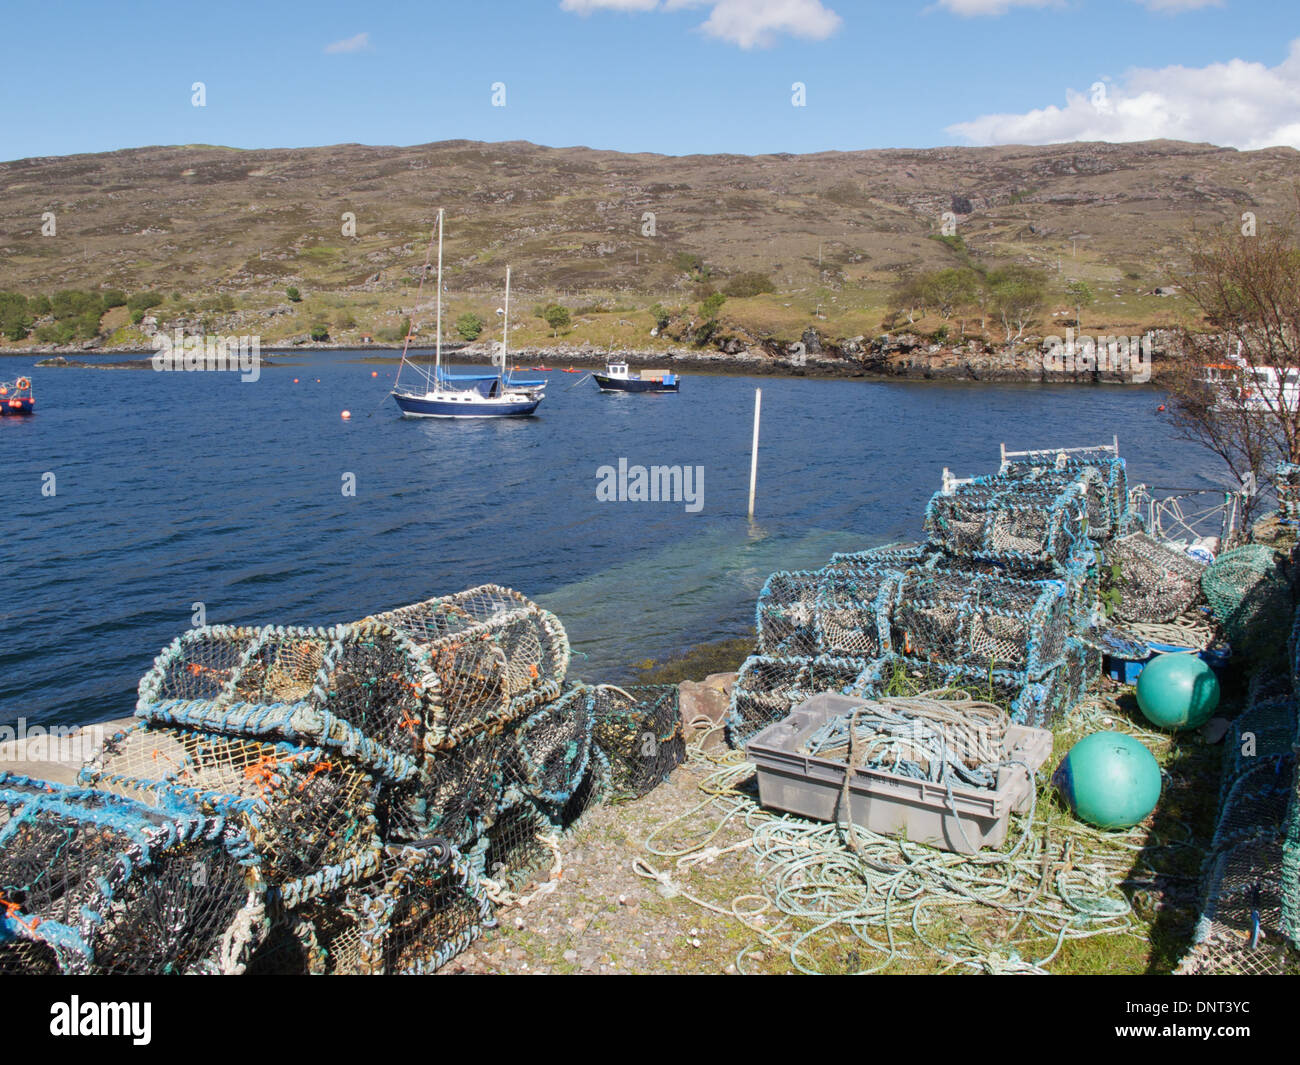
point(951, 817)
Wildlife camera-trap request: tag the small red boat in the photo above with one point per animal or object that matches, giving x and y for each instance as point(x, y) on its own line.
point(571, 370)
point(17, 398)
point(545, 369)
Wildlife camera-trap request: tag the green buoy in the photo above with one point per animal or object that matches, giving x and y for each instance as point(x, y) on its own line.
point(1177, 691)
point(1109, 779)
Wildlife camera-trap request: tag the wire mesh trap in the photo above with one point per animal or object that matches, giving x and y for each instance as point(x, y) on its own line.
point(365, 688)
point(95, 883)
point(496, 653)
point(983, 621)
point(301, 807)
point(639, 730)
point(552, 747)
point(1156, 583)
point(768, 687)
point(422, 908)
point(1102, 474)
point(1248, 595)
point(518, 850)
point(1018, 521)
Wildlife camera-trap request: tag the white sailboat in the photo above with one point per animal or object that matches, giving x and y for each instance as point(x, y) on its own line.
point(483, 396)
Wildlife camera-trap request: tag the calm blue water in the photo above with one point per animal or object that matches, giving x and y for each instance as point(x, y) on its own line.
point(176, 488)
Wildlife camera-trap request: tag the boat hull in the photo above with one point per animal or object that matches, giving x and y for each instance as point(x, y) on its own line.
point(424, 407)
point(620, 384)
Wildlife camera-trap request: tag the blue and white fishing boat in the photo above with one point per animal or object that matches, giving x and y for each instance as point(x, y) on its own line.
point(445, 395)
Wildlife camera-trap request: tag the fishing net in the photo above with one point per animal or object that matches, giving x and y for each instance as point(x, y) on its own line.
point(1249, 598)
point(639, 730)
point(592, 790)
point(301, 807)
point(1020, 522)
point(100, 884)
point(1290, 868)
point(983, 621)
point(1155, 583)
point(496, 653)
point(552, 747)
point(768, 687)
point(1101, 473)
point(421, 909)
point(1079, 574)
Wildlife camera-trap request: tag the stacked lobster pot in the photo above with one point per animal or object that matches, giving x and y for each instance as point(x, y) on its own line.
point(95, 883)
point(994, 602)
point(354, 799)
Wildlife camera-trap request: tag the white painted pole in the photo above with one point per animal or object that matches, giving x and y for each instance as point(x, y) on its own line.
point(753, 459)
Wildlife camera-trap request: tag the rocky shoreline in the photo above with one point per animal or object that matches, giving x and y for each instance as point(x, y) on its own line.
point(905, 356)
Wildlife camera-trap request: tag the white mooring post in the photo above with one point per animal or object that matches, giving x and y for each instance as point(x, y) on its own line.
point(753, 458)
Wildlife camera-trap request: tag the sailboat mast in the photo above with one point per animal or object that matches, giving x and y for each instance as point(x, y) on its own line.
point(437, 351)
point(505, 330)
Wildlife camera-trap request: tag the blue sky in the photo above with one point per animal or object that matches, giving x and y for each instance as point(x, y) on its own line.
point(677, 76)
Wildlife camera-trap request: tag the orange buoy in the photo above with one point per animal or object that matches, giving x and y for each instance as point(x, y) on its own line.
point(346, 414)
point(1161, 407)
point(318, 380)
point(295, 380)
point(374, 373)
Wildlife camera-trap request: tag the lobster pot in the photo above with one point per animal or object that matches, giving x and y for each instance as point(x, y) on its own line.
point(784, 616)
point(552, 747)
point(423, 907)
point(767, 688)
point(891, 556)
point(1078, 573)
point(301, 808)
point(364, 689)
point(98, 884)
point(1255, 804)
point(1101, 473)
point(456, 793)
point(1156, 583)
point(518, 850)
point(1243, 885)
point(1021, 523)
point(853, 611)
point(1290, 868)
point(1265, 730)
point(495, 652)
point(592, 790)
point(1039, 702)
point(1287, 485)
point(639, 730)
point(991, 622)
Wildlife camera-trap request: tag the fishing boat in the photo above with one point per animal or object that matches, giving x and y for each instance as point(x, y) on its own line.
point(1239, 386)
point(17, 398)
point(445, 395)
point(617, 379)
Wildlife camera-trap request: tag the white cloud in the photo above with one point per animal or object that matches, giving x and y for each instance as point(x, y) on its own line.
point(1174, 6)
point(359, 43)
point(747, 23)
point(973, 8)
point(1238, 103)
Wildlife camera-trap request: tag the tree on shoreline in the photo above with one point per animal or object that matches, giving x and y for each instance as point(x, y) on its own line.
point(1239, 398)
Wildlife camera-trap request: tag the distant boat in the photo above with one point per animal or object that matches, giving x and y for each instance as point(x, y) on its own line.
point(571, 370)
point(617, 379)
point(542, 369)
point(447, 395)
point(17, 398)
point(1238, 386)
